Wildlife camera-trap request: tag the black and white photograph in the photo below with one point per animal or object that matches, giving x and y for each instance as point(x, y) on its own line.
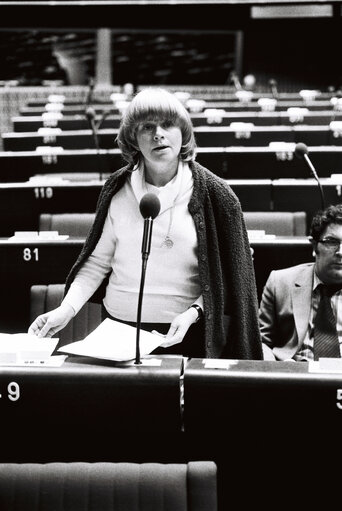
point(170, 255)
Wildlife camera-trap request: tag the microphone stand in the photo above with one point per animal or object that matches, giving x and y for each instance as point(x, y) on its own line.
point(146, 244)
point(90, 91)
point(97, 144)
point(314, 173)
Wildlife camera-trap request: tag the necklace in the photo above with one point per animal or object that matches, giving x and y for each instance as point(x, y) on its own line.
point(168, 243)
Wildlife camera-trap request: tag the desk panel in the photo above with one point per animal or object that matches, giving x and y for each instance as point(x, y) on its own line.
point(250, 106)
point(72, 139)
point(77, 122)
point(304, 195)
point(268, 163)
point(273, 393)
point(206, 136)
point(24, 263)
point(266, 424)
point(90, 410)
point(253, 194)
point(279, 252)
point(20, 166)
point(209, 95)
point(22, 203)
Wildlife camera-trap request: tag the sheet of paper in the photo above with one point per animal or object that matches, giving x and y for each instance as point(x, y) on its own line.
point(213, 363)
point(24, 349)
point(325, 365)
point(113, 340)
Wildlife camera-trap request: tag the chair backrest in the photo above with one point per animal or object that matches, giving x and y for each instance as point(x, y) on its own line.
point(73, 224)
point(44, 298)
point(77, 486)
point(281, 223)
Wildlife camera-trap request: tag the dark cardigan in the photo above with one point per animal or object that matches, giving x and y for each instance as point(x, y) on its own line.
point(224, 258)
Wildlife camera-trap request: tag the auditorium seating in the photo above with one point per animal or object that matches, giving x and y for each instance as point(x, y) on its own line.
point(72, 224)
point(77, 486)
point(280, 223)
point(206, 136)
point(69, 122)
point(44, 298)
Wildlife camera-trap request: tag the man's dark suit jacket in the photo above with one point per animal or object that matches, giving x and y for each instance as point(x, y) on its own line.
point(285, 311)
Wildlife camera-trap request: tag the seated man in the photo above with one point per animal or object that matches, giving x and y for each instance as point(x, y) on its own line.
point(301, 307)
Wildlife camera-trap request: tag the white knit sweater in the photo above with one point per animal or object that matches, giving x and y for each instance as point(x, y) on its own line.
point(172, 280)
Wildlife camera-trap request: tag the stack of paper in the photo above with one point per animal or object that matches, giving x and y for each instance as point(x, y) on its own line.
point(26, 349)
point(113, 340)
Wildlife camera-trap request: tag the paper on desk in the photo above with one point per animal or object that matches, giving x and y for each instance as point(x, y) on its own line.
point(23, 349)
point(113, 340)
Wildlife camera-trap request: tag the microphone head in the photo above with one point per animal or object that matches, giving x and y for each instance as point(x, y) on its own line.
point(149, 205)
point(90, 113)
point(300, 150)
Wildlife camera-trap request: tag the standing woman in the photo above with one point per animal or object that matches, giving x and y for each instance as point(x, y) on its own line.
point(200, 287)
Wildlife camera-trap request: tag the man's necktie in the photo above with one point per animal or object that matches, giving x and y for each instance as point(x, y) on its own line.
point(325, 334)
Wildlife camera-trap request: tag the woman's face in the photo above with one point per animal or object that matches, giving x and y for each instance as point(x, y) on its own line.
point(159, 142)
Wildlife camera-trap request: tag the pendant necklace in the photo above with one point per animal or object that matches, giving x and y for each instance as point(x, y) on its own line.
point(168, 243)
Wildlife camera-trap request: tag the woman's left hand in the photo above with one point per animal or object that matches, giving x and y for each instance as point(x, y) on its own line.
point(179, 327)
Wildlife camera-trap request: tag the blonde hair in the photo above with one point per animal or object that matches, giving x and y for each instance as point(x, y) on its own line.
point(154, 104)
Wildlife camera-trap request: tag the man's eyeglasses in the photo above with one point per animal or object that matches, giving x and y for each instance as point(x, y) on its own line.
point(332, 244)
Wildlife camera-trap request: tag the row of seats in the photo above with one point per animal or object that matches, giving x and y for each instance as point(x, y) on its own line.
point(70, 122)
point(280, 223)
point(242, 134)
point(228, 162)
point(107, 486)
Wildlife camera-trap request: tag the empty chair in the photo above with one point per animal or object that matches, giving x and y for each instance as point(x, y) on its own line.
point(73, 224)
point(281, 223)
point(44, 298)
point(77, 486)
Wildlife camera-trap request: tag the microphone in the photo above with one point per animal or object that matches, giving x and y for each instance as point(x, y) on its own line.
point(301, 151)
point(273, 84)
point(149, 208)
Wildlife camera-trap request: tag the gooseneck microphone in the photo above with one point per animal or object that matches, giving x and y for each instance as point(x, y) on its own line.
point(149, 208)
point(301, 151)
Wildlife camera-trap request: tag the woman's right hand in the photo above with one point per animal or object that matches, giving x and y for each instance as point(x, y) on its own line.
point(49, 323)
